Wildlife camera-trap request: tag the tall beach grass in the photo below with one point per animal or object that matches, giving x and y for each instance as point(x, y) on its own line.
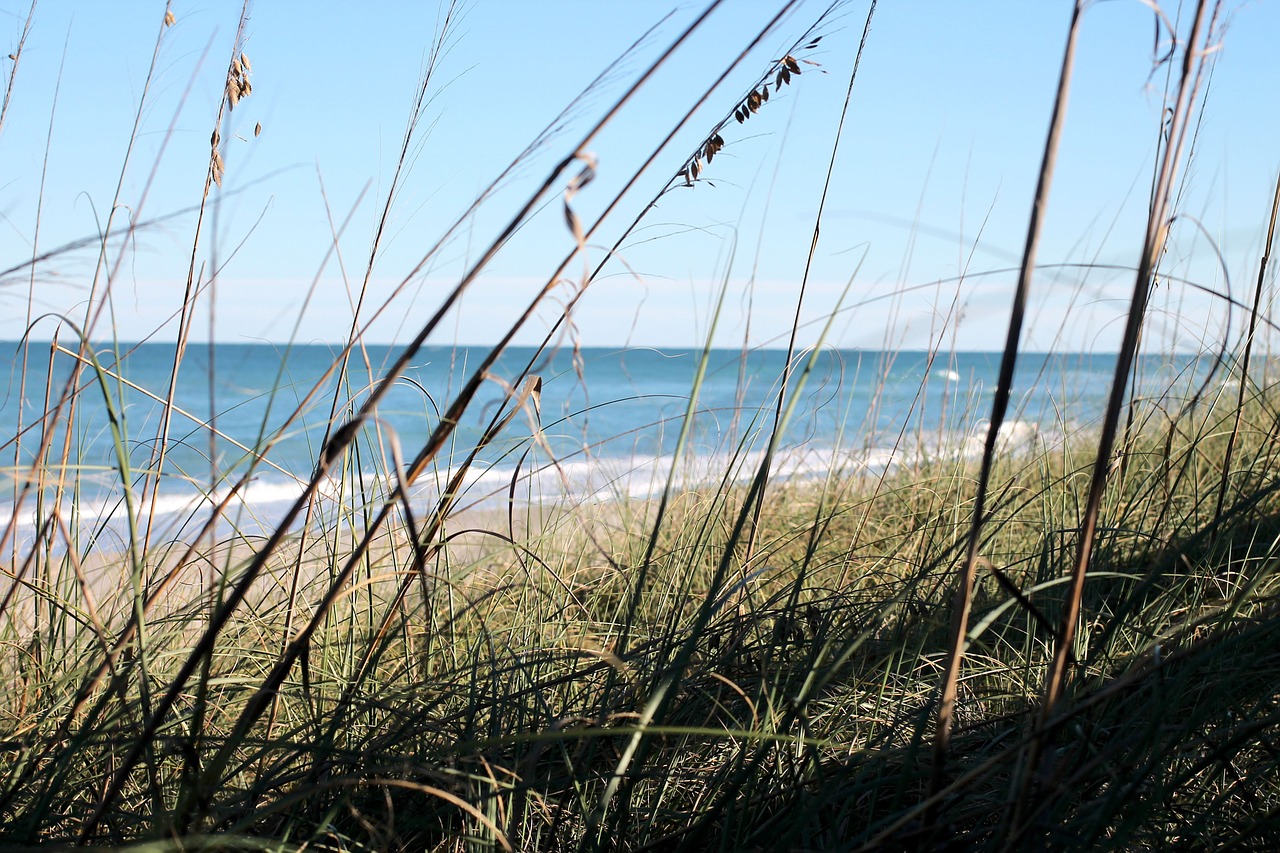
point(982, 640)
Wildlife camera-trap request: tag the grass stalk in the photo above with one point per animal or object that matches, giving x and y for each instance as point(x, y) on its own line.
point(1153, 247)
point(962, 598)
point(1250, 333)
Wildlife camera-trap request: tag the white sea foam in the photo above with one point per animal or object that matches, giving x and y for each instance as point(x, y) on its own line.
point(264, 499)
point(1015, 437)
point(109, 509)
point(261, 504)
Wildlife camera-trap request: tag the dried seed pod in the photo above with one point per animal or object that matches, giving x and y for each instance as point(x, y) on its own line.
point(233, 95)
point(340, 441)
point(168, 18)
point(248, 66)
point(257, 129)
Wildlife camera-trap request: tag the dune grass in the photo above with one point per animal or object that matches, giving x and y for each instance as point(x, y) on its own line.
point(1055, 644)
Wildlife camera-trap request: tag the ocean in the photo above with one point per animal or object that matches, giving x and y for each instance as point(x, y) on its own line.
point(607, 424)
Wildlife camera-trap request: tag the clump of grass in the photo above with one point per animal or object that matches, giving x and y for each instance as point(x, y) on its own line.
point(802, 717)
point(1052, 645)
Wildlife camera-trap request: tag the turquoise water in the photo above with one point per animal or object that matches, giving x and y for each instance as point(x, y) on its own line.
point(607, 425)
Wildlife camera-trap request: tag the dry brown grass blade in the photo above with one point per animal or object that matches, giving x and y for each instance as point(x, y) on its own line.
point(1248, 351)
point(1157, 233)
point(1153, 243)
point(963, 597)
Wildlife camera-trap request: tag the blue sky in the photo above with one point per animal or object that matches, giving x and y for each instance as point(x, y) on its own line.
point(933, 179)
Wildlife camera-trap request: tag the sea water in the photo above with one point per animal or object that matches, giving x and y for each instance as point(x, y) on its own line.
point(604, 423)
